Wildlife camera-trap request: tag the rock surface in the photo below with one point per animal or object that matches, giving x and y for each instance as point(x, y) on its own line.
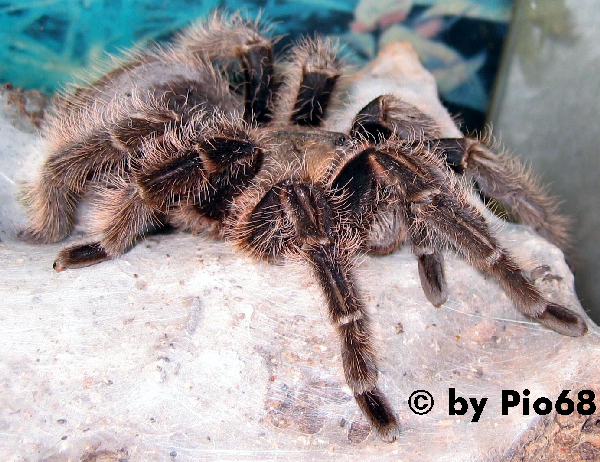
point(184, 350)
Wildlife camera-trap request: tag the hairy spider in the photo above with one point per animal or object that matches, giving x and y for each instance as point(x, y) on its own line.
point(204, 135)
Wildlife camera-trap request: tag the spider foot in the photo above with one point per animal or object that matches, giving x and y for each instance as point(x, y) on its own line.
point(433, 281)
point(562, 320)
point(377, 409)
point(81, 255)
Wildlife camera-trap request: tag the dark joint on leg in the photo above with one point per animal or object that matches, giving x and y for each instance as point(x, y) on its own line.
point(453, 151)
point(313, 98)
point(562, 320)
point(258, 70)
point(370, 122)
point(433, 281)
point(309, 211)
point(220, 152)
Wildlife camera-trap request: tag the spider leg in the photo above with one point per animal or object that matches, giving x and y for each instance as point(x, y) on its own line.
point(388, 230)
point(233, 38)
point(498, 176)
point(504, 179)
point(120, 216)
point(439, 211)
point(387, 115)
point(300, 221)
point(82, 155)
point(176, 175)
point(313, 69)
point(349, 316)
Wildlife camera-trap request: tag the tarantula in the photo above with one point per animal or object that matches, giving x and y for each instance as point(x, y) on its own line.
point(205, 135)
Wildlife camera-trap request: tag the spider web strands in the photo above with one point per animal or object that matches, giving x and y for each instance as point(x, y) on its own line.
point(530, 324)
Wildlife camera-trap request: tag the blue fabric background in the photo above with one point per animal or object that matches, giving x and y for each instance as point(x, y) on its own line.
point(43, 44)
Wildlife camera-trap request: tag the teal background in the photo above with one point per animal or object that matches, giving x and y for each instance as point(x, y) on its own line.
point(44, 43)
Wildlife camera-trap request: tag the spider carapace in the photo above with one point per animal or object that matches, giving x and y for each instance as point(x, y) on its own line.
point(211, 133)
